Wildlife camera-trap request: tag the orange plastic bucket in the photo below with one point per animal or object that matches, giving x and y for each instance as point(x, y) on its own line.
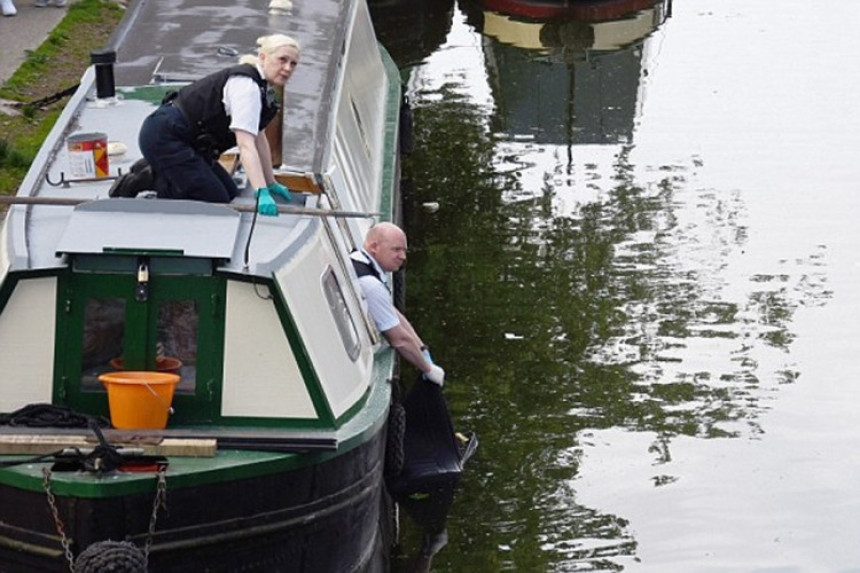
point(139, 400)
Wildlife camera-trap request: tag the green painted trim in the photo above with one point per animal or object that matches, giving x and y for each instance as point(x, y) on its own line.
point(140, 327)
point(390, 171)
point(63, 321)
point(7, 287)
point(127, 263)
point(151, 94)
point(325, 416)
point(104, 263)
point(265, 423)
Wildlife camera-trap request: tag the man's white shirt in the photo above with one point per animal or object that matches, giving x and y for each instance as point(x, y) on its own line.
point(378, 297)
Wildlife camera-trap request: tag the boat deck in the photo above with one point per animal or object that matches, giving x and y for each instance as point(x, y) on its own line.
point(187, 48)
point(175, 41)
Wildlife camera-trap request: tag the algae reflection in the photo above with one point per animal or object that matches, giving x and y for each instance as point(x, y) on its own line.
point(551, 324)
point(557, 316)
point(517, 297)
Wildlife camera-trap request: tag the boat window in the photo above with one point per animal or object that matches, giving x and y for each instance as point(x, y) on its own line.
point(341, 314)
point(176, 344)
point(104, 339)
point(103, 335)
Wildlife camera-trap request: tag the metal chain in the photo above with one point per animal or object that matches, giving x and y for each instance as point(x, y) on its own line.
point(61, 530)
point(160, 501)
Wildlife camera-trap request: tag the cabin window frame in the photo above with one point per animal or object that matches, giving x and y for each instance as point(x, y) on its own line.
point(340, 312)
point(208, 293)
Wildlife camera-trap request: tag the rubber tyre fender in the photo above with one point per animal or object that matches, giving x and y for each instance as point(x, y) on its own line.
point(395, 456)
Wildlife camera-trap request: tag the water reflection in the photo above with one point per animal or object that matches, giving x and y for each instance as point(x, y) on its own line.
point(571, 286)
point(411, 30)
point(567, 74)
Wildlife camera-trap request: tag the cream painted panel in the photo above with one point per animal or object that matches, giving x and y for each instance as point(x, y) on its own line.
point(4, 257)
point(27, 326)
point(261, 376)
point(343, 380)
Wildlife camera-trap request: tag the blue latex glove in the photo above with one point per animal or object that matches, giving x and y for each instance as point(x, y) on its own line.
point(265, 203)
point(278, 189)
point(426, 352)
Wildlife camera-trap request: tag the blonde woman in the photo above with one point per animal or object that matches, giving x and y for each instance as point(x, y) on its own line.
point(183, 138)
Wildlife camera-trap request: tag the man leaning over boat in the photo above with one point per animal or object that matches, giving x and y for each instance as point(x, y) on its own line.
point(182, 140)
point(384, 251)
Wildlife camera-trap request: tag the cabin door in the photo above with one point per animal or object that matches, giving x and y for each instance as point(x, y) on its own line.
point(110, 322)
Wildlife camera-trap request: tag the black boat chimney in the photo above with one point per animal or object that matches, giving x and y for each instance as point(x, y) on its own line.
point(103, 60)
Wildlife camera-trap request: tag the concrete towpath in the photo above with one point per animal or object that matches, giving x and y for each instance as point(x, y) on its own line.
point(25, 32)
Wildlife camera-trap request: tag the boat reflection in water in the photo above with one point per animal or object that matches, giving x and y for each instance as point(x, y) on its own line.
point(573, 77)
point(411, 30)
point(592, 56)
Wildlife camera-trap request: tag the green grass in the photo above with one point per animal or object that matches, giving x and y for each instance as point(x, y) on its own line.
point(56, 65)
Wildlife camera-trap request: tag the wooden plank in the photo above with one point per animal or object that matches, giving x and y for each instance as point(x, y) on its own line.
point(38, 444)
point(303, 183)
point(264, 439)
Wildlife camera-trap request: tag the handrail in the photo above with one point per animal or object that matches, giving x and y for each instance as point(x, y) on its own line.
point(242, 208)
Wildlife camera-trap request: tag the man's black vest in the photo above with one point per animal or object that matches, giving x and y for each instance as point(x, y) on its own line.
point(363, 269)
point(201, 104)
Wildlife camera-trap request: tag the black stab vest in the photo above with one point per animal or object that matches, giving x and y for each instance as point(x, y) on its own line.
point(363, 269)
point(201, 104)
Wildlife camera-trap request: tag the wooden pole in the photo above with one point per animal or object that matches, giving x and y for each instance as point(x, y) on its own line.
point(241, 207)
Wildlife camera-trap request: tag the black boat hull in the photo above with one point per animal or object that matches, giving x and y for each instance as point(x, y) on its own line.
point(328, 517)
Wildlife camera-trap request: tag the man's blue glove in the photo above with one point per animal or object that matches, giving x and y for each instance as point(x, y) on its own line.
point(426, 352)
point(278, 189)
point(265, 203)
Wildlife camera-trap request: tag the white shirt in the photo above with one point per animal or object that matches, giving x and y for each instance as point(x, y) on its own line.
point(242, 103)
point(380, 306)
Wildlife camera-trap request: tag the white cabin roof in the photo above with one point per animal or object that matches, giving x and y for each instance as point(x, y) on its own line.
point(334, 134)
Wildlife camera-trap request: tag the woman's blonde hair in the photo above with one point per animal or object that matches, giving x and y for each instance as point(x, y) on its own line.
point(267, 45)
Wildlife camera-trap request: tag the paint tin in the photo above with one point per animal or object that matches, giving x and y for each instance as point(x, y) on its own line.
point(88, 156)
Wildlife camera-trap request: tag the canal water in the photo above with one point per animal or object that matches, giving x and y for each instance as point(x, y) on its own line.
point(642, 279)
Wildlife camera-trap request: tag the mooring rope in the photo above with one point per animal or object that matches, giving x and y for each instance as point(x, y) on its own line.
point(45, 100)
point(50, 416)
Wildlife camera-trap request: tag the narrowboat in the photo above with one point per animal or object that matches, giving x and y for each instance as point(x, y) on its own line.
point(272, 455)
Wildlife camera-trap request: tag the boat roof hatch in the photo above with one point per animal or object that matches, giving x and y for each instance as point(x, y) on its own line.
point(168, 227)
